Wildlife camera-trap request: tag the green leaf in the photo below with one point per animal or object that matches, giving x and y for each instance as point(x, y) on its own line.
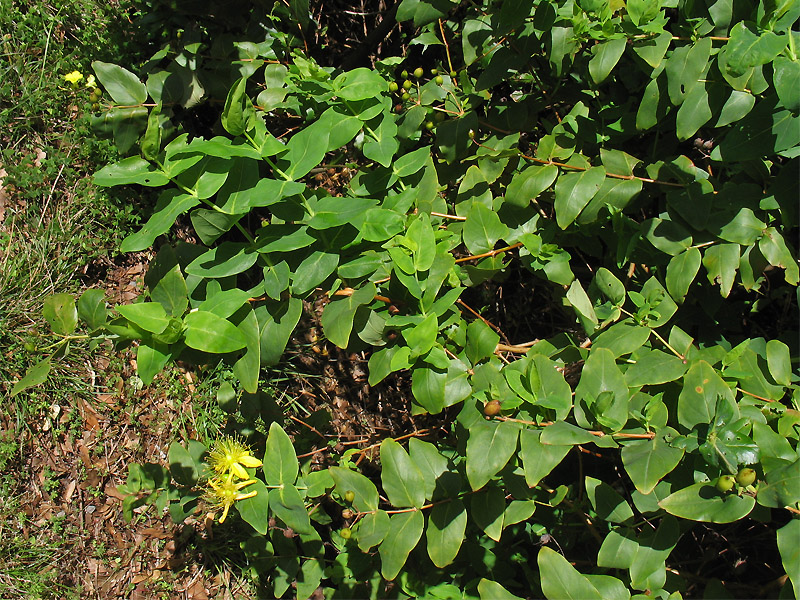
point(338, 315)
point(359, 84)
point(782, 487)
point(92, 308)
point(36, 374)
point(482, 229)
point(445, 533)
point(607, 503)
point(539, 459)
point(122, 85)
point(314, 270)
point(429, 461)
point(529, 183)
point(481, 341)
point(746, 49)
point(308, 147)
point(182, 465)
point(277, 321)
point(579, 301)
point(489, 447)
point(648, 461)
point(779, 361)
point(790, 551)
point(623, 338)
point(366, 494)
point(561, 581)
point(332, 211)
point(133, 169)
point(382, 142)
point(151, 357)
point(487, 509)
point(280, 461)
point(605, 57)
point(207, 332)
point(702, 502)
point(422, 241)
point(150, 316)
point(574, 191)
point(405, 530)
point(171, 204)
point(233, 117)
point(681, 271)
point(428, 387)
point(693, 113)
point(685, 67)
point(60, 312)
point(736, 107)
point(650, 50)
point(287, 504)
point(412, 162)
point(774, 249)
point(402, 480)
point(721, 262)
point(601, 379)
point(653, 368)
point(372, 529)
point(786, 78)
point(171, 293)
point(698, 398)
point(491, 590)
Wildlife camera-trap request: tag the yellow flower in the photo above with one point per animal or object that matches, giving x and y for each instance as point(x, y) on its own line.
point(230, 456)
point(91, 83)
point(73, 77)
point(223, 492)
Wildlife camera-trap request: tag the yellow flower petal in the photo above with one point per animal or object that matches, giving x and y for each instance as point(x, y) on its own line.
point(249, 461)
point(239, 471)
point(73, 77)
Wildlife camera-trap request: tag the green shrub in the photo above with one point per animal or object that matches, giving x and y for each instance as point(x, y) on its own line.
point(638, 163)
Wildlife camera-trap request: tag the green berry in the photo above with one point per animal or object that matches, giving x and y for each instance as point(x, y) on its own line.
point(419, 72)
point(439, 116)
point(452, 74)
point(746, 477)
point(346, 533)
point(407, 85)
point(725, 483)
point(30, 347)
point(471, 134)
point(434, 71)
point(429, 125)
point(349, 496)
point(393, 87)
point(347, 514)
point(439, 80)
point(405, 96)
point(404, 74)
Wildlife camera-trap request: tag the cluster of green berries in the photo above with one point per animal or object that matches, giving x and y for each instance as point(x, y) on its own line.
point(94, 98)
point(743, 478)
point(404, 89)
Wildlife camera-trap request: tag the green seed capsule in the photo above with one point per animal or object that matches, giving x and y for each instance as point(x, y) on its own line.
point(393, 87)
point(429, 125)
point(434, 72)
point(452, 74)
point(439, 80)
point(725, 483)
point(349, 496)
point(746, 477)
point(404, 74)
point(346, 533)
point(439, 116)
point(406, 96)
point(407, 85)
point(419, 72)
